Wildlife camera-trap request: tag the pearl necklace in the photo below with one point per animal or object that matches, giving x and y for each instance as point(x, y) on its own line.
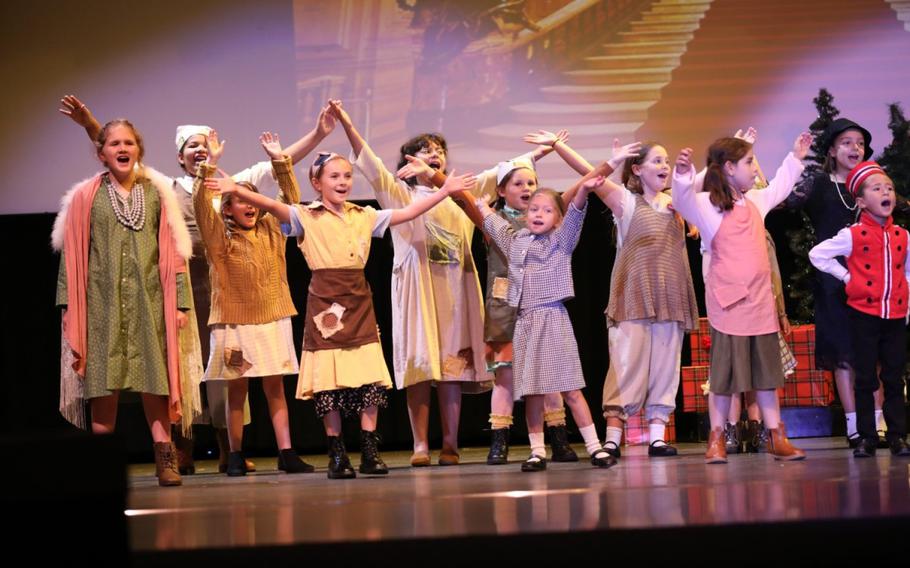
point(132, 217)
point(840, 195)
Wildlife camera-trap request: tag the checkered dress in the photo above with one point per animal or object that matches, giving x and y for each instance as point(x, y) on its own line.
point(540, 279)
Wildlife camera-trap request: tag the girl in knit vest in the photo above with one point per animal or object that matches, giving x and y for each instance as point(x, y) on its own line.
point(342, 366)
point(539, 281)
point(745, 349)
point(251, 305)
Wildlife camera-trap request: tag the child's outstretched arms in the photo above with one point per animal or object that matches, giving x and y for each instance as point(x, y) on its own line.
point(786, 177)
point(463, 198)
point(337, 111)
point(557, 141)
point(282, 164)
point(325, 123)
point(609, 192)
point(226, 186)
point(453, 185)
point(81, 115)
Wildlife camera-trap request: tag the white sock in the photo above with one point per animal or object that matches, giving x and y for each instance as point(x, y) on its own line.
point(851, 424)
point(614, 435)
point(592, 443)
point(538, 448)
point(656, 434)
point(880, 421)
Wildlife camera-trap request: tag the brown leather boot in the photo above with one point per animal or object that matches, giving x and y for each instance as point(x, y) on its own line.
point(184, 445)
point(224, 448)
point(166, 464)
point(781, 448)
point(717, 449)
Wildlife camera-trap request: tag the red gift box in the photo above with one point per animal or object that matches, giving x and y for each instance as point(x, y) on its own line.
point(694, 397)
point(637, 430)
point(807, 387)
point(802, 342)
point(700, 343)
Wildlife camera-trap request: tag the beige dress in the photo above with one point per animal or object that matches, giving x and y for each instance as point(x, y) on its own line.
point(329, 240)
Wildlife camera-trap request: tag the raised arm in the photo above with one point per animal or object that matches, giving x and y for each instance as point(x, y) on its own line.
point(81, 115)
point(208, 218)
point(609, 192)
point(282, 164)
point(341, 115)
point(325, 123)
point(226, 186)
point(570, 231)
point(454, 185)
point(683, 189)
point(557, 142)
point(786, 177)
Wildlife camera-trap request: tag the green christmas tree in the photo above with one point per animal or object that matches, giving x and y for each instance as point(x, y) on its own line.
point(895, 159)
point(803, 239)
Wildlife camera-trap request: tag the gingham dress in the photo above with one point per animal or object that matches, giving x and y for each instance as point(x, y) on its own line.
point(546, 354)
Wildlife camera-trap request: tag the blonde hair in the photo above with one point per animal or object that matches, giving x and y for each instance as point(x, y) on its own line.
point(555, 196)
point(230, 225)
point(106, 131)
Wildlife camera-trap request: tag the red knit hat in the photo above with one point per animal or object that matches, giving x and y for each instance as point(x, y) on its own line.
point(861, 173)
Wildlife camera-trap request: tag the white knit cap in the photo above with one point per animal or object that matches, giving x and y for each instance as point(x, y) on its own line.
point(504, 168)
point(187, 131)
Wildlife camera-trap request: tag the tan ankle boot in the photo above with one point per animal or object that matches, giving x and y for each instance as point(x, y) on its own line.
point(717, 450)
point(184, 445)
point(781, 448)
point(166, 465)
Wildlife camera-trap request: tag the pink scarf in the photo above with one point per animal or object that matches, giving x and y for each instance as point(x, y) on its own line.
point(76, 248)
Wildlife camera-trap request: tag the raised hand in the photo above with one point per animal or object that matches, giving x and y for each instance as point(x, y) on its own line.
point(545, 137)
point(325, 123)
point(592, 183)
point(224, 185)
point(750, 135)
point(271, 145)
point(77, 111)
point(216, 146)
point(684, 161)
point(455, 184)
point(622, 153)
point(336, 110)
point(414, 168)
point(802, 145)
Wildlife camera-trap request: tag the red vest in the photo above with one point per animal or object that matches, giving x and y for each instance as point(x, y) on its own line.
point(878, 286)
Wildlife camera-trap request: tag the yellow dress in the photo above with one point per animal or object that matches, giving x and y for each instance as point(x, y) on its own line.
point(331, 240)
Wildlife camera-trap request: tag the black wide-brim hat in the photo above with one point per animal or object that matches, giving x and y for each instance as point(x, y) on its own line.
point(837, 128)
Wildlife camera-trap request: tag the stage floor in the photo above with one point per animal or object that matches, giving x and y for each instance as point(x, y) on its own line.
point(268, 508)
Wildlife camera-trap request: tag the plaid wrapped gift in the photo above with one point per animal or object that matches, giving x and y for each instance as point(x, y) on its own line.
point(700, 343)
point(637, 430)
point(802, 342)
point(695, 399)
point(807, 387)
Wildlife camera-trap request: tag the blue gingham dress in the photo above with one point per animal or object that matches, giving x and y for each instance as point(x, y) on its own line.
point(546, 353)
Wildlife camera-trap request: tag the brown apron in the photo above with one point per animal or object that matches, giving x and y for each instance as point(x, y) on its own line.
point(339, 310)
